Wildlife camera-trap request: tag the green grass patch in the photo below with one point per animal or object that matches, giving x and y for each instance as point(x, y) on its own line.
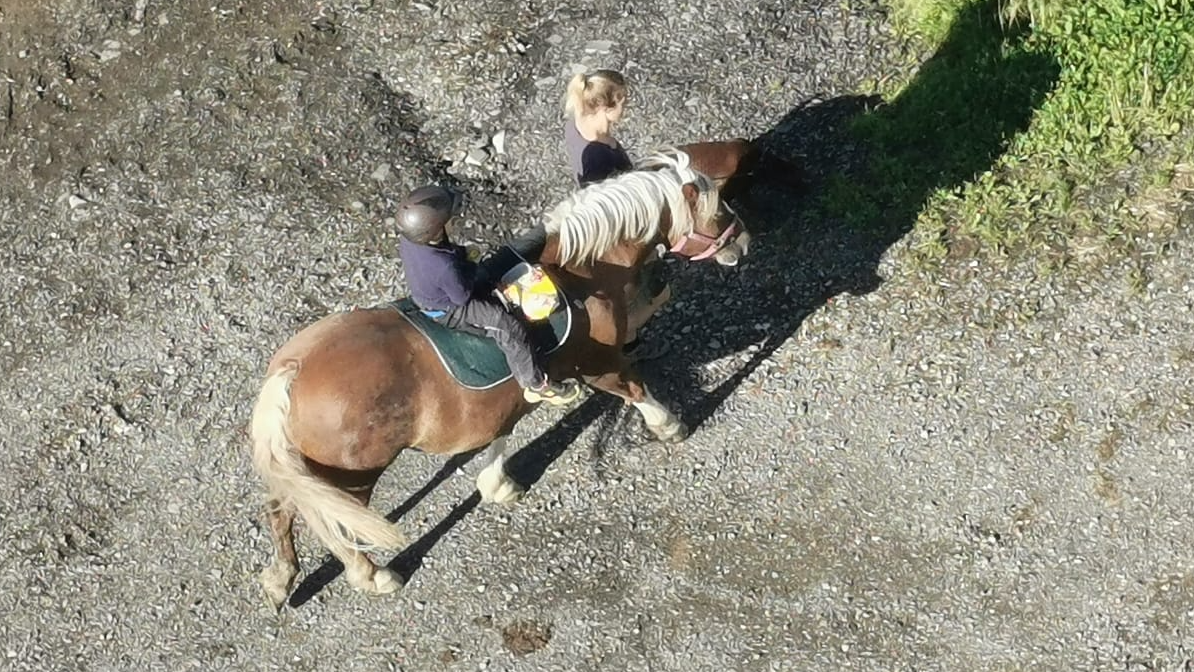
point(1029, 116)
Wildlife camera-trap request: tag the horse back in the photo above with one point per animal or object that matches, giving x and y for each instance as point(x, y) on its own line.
point(722, 159)
point(368, 385)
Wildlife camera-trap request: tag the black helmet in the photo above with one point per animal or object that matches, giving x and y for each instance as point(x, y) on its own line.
point(422, 216)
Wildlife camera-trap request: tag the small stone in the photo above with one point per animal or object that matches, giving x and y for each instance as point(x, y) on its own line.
point(381, 173)
point(476, 156)
point(109, 50)
point(598, 46)
point(76, 201)
point(545, 82)
point(555, 39)
point(357, 205)
point(499, 142)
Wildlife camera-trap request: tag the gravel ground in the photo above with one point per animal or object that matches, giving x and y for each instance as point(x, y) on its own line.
point(984, 468)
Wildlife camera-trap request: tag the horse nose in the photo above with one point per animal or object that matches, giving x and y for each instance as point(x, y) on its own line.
point(742, 240)
point(729, 255)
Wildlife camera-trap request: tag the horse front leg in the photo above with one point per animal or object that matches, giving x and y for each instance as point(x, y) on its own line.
point(640, 313)
point(494, 484)
point(629, 386)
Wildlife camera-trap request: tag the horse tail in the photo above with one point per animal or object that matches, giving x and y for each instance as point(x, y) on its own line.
point(341, 522)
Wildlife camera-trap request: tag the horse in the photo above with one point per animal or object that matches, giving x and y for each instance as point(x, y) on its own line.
point(343, 397)
point(735, 163)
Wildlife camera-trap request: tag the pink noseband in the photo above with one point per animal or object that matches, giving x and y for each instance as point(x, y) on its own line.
point(712, 245)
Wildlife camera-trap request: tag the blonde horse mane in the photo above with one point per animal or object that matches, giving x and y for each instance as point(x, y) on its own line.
point(594, 220)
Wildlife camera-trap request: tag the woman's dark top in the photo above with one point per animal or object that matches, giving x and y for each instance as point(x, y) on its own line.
point(593, 160)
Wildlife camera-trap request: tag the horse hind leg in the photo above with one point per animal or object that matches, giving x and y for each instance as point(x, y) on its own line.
point(278, 578)
point(338, 516)
point(359, 569)
point(494, 484)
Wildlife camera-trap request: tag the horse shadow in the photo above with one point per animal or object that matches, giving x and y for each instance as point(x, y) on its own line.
point(526, 467)
point(870, 166)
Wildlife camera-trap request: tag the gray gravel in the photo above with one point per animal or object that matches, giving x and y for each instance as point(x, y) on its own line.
point(984, 468)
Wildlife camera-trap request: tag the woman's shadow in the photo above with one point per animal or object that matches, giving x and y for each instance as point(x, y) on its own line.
point(870, 166)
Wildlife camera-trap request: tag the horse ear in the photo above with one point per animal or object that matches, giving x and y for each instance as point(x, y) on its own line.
point(690, 194)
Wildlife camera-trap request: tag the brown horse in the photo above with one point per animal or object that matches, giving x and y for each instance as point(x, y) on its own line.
point(732, 164)
point(343, 397)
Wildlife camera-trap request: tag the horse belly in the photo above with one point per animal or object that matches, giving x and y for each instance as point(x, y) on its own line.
point(453, 419)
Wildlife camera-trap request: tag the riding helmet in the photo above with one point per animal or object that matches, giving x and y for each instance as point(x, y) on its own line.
point(425, 212)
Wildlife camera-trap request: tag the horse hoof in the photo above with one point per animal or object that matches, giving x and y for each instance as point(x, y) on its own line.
point(277, 580)
point(386, 581)
point(674, 433)
point(508, 492)
point(500, 491)
point(275, 597)
point(381, 581)
point(496, 486)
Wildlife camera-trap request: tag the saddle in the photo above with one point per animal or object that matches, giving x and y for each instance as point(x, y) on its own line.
point(475, 361)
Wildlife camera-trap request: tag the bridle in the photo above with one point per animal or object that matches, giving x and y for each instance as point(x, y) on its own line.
point(711, 245)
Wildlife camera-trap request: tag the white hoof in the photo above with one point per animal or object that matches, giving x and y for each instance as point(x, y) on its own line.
point(277, 580)
point(495, 486)
point(672, 432)
point(662, 422)
point(379, 581)
point(386, 581)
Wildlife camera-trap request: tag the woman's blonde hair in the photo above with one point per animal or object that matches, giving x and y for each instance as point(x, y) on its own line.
point(590, 91)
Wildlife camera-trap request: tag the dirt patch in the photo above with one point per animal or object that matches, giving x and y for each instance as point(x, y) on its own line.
point(680, 553)
point(1109, 446)
point(523, 637)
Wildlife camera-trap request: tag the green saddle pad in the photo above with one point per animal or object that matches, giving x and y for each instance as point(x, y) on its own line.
point(475, 361)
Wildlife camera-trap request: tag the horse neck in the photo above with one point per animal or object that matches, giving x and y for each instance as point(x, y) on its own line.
point(627, 256)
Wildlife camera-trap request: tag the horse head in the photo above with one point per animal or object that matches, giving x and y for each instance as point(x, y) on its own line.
point(665, 201)
point(709, 227)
